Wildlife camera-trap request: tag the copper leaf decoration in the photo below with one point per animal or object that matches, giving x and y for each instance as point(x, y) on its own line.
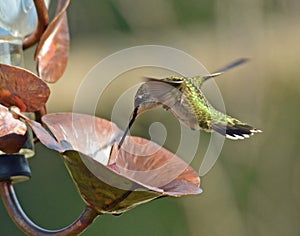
point(83, 133)
point(113, 187)
point(12, 132)
point(102, 188)
point(20, 87)
point(148, 163)
point(53, 49)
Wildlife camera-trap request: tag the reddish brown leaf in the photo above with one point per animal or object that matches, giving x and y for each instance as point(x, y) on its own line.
point(12, 132)
point(53, 50)
point(19, 87)
point(8, 99)
point(9, 124)
point(141, 171)
point(83, 133)
point(150, 164)
point(102, 188)
point(44, 136)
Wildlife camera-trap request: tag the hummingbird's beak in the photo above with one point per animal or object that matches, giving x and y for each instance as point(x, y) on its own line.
point(131, 121)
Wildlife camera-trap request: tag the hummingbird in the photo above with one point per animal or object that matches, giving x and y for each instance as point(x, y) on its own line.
point(183, 97)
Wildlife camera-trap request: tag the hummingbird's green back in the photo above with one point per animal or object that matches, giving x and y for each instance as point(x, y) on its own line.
point(208, 117)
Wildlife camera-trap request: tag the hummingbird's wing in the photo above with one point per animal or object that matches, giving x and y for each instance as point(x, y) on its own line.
point(168, 94)
point(231, 66)
point(230, 127)
point(149, 95)
point(155, 92)
point(182, 111)
point(174, 81)
point(202, 79)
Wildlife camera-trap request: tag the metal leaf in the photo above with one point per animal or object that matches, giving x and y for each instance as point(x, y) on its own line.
point(112, 187)
point(20, 87)
point(150, 164)
point(12, 132)
point(100, 186)
point(83, 133)
point(53, 50)
point(44, 136)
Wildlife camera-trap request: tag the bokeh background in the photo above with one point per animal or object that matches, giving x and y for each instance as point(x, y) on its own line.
point(253, 189)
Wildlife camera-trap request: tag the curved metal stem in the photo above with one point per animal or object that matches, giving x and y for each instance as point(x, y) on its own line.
point(15, 211)
point(43, 18)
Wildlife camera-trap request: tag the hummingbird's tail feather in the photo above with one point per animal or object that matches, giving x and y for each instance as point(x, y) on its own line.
point(234, 129)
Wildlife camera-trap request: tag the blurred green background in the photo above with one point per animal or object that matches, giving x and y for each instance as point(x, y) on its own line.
point(253, 189)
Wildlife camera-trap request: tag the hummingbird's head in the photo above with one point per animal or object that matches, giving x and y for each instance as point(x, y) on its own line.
point(144, 100)
point(142, 95)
